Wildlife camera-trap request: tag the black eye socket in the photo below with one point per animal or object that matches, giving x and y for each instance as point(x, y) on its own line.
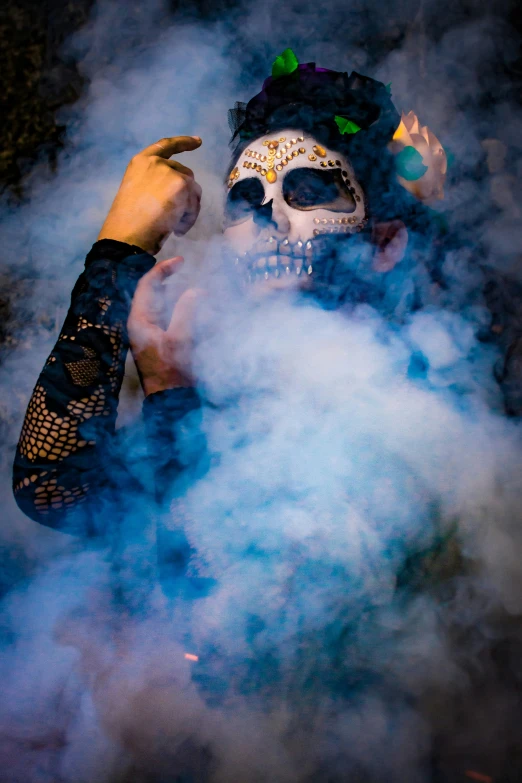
point(315, 189)
point(242, 200)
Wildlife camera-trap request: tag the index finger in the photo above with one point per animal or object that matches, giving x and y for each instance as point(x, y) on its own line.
point(171, 145)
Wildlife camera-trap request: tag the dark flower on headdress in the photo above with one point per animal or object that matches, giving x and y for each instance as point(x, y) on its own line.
point(311, 98)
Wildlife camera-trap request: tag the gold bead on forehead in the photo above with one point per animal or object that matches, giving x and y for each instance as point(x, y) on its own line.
point(312, 157)
point(319, 151)
point(272, 144)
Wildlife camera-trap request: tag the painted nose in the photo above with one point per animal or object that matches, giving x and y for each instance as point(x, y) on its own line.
point(274, 218)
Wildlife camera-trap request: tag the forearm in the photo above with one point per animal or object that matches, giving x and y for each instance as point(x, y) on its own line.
point(74, 404)
point(176, 443)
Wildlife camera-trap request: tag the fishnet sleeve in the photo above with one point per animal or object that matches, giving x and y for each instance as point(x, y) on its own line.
point(61, 459)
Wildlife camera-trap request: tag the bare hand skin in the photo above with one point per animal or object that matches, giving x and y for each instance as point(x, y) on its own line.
point(162, 356)
point(157, 196)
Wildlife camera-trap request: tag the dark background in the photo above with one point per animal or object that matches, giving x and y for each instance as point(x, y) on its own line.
point(39, 78)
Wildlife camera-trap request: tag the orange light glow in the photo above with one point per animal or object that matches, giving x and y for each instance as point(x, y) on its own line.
point(478, 776)
point(190, 657)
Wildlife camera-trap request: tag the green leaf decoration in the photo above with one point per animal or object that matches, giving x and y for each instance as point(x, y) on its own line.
point(388, 88)
point(409, 164)
point(284, 64)
point(345, 125)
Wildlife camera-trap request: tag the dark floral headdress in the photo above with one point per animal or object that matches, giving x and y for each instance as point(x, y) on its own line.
point(351, 113)
point(304, 96)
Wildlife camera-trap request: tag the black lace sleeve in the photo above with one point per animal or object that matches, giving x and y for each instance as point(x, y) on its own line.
point(72, 411)
point(179, 456)
point(176, 444)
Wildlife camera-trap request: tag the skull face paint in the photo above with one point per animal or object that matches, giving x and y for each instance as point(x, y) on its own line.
point(285, 191)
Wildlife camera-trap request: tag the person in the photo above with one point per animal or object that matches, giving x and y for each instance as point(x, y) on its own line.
point(314, 168)
point(325, 193)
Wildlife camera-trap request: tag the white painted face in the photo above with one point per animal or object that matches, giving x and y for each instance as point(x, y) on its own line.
point(285, 191)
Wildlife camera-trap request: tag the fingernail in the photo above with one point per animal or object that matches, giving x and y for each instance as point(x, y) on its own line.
point(198, 138)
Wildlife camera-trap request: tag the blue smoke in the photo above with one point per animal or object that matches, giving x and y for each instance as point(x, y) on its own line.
point(355, 540)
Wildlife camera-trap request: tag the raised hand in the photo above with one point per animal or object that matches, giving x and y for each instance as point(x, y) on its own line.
point(162, 355)
point(157, 196)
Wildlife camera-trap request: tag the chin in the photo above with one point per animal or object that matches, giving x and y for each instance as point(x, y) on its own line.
point(260, 286)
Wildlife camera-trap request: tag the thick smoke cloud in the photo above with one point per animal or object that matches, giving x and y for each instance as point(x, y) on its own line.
point(324, 651)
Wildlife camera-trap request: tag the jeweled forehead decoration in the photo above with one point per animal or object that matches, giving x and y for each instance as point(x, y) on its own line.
point(279, 154)
point(281, 151)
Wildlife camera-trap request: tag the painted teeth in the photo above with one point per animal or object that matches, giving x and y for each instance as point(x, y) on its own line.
point(276, 258)
point(276, 272)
